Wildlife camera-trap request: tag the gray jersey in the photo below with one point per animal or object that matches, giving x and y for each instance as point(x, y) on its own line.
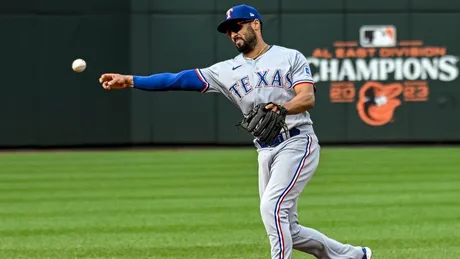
point(269, 78)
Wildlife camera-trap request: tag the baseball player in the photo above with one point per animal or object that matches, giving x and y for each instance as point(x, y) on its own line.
point(273, 87)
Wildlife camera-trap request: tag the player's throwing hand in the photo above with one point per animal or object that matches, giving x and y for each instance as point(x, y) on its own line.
point(115, 81)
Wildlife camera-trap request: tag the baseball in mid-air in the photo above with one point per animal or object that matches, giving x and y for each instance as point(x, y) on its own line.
point(79, 65)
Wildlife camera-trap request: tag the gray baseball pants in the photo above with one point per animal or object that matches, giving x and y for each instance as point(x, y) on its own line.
point(283, 173)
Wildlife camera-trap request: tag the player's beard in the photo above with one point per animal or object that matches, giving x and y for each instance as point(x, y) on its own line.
point(249, 42)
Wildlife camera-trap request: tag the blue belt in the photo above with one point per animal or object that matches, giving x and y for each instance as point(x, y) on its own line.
point(280, 138)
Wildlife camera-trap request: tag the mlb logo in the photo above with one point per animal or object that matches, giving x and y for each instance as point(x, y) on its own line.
point(375, 36)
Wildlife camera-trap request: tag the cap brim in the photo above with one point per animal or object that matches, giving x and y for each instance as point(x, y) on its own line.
point(224, 25)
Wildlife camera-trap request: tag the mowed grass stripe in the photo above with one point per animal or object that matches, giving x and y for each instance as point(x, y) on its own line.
point(443, 230)
point(388, 213)
point(179, 203)
point(212, 251)
point(388, 156)
point(306, 211)
point(20, 170)
point(166, 182)
point(60, 226)
point(229, 195)
point(225, 236)
point(123, 158)
point(253, 251)
point(215, 251)
point(241, 205)
point(142, 189)
point(154, 171)
point(91, 172)
point(209, 181)
point(314, 187)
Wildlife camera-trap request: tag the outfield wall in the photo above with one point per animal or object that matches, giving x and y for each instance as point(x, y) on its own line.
point(359, 50)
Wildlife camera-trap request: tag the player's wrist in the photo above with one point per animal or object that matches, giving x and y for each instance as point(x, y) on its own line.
point(129, 80)
point(285, 111)
point(286, 107)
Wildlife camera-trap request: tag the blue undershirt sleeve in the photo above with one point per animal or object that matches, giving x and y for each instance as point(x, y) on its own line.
point(187, 80)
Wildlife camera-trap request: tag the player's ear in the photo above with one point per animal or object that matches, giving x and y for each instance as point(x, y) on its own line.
point(257, 25)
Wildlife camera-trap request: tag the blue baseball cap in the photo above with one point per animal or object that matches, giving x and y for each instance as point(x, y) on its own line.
point(238, 13)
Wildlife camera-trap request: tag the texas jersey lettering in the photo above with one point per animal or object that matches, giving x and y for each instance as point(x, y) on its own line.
point(269, 78)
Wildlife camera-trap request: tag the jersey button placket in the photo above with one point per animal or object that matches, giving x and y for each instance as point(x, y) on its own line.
point(254, 70)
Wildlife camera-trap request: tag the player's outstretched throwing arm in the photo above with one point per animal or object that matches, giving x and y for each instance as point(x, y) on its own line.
point(187, 80)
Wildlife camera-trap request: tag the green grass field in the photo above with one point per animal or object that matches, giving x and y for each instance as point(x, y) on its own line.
point(402, 202)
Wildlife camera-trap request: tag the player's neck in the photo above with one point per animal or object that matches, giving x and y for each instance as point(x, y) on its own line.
point(260, 49)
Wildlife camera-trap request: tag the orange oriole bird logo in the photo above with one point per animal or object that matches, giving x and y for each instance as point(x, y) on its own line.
point(377, 102)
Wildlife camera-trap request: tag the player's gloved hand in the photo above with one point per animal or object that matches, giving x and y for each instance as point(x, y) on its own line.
point(115, 81)
point(265, 121)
